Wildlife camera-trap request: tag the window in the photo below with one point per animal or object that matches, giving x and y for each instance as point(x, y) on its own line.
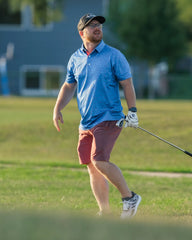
point(52, 79)
point(41, 80)
point(7, 16)
point(32, 80)
point(26, 18)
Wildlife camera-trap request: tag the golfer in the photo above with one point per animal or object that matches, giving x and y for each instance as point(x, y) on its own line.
point(96, 70)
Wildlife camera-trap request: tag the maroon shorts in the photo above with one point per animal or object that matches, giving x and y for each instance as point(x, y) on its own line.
point(97, 142)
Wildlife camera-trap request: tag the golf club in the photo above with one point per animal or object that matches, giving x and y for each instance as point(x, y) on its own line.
point(173, 145)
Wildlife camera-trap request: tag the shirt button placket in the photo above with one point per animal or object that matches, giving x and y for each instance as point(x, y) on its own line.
point(89, 64)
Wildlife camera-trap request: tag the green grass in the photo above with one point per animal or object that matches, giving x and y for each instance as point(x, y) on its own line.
point(30, 226)
point(39, 167)
point(49, 226)
point(27, 135)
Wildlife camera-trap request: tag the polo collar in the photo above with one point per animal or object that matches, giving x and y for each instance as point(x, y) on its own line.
point(99, 48)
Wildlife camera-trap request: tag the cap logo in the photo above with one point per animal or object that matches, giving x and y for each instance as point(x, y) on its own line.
point(90, 15)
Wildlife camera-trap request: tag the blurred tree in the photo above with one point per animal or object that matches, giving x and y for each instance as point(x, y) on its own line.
point(150, 29)
point(185, 15)
point(44, 11)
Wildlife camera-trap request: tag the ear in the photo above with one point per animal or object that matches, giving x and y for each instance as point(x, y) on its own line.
point(81, 33)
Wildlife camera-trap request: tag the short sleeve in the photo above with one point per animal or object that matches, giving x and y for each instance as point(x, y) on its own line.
point(121, 66)
point(70, 78)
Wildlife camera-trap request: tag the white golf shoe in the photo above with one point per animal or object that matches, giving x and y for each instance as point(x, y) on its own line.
point(130, 206)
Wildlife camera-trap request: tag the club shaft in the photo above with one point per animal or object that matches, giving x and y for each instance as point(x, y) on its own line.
point(173, 145)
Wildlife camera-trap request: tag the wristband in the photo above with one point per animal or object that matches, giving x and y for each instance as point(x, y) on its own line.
point(133, 109)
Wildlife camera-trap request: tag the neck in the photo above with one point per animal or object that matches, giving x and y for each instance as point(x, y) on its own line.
point(90, 46)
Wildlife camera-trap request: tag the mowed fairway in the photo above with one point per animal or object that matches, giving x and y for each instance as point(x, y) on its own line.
point(39, 167)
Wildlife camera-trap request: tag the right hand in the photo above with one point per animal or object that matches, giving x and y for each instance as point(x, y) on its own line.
point(57, 116)
point(131, 120)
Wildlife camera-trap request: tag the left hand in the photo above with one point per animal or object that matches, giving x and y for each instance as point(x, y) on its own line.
point(131, 120)
point(57, 116)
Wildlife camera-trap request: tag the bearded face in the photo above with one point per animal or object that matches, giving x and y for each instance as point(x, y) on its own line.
point(93, 32)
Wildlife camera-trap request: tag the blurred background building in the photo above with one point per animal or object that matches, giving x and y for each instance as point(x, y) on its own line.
point(41, 54)
point(33, 57)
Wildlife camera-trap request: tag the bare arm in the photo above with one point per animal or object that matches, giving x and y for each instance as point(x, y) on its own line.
point(129, 92)
point(65, 95)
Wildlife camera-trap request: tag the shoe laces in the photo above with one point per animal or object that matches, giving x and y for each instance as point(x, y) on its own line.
point(131, 203)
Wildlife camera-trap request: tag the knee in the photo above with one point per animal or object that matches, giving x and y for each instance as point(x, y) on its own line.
point(92, 170)
point(100, 165)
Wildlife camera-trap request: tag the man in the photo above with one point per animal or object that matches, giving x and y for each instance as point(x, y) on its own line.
point(96, 70)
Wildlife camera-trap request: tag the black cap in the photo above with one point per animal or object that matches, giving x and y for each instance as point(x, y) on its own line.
point(86, 19)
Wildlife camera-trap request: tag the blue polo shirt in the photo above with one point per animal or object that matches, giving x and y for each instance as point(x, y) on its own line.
point(97, 76)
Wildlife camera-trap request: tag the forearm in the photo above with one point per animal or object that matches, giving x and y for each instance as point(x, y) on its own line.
point(129, 92)
point(65, 95)
point(131, 119)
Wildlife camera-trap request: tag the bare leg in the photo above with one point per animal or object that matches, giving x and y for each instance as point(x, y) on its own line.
point(100, 188)
point(112, 173)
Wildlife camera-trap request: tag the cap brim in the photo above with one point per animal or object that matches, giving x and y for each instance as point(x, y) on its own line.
point(98, 18)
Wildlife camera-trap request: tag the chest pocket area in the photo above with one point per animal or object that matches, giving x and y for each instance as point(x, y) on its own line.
point(80, 72)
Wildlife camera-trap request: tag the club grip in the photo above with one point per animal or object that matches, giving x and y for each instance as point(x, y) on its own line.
point(188, 153)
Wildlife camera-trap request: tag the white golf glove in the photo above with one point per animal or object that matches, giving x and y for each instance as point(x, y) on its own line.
point(131, 120)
